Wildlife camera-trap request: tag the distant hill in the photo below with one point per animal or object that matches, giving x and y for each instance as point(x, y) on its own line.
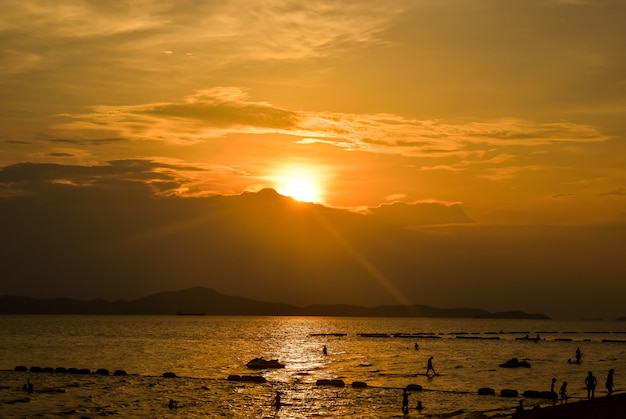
point(201, 300)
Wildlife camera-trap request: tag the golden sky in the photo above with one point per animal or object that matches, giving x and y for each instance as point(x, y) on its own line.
point(511, 114)
point(515, 109)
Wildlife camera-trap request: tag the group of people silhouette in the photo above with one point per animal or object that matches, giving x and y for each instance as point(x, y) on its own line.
point(591, 382)
point(405, 401)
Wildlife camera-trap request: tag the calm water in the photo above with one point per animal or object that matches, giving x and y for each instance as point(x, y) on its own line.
point(204, 350)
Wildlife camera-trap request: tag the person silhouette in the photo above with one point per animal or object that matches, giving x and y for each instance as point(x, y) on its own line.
point(430, 366)
point(416, 346)
point(552, 393)
point(405, 400)
point(277, 400)
point(419, 405)
point(578, 355)
point(609, 382)
point(590, 383)
point(563, 392)
point(28, 387)
point(324, 350)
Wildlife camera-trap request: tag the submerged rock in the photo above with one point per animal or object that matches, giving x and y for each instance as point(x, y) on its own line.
point(515, 363)
point(332, 383)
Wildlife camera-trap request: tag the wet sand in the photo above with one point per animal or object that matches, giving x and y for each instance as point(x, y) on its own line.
point(601, 407)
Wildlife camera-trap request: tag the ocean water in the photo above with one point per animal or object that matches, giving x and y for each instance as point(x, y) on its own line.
point(204, 350)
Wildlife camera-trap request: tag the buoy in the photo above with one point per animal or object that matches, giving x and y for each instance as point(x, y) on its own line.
point(414, 387)
point(35, 369)
point(509, 393)
point(359, 384)
point(169, 375)
point(20, 368)
point(102, 371)
point(486, 391)
point(551, 395)
point(532, 394)
point(119, 372)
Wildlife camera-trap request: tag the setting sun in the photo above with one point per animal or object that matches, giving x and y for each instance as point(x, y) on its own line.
point(300, 184)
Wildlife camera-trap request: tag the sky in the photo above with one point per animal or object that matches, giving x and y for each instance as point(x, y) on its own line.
point(514, 110)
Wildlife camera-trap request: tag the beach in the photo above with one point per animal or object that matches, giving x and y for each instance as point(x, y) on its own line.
point(601, 407)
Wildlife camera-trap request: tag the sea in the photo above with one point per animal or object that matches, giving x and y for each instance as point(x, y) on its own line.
point(385, 355)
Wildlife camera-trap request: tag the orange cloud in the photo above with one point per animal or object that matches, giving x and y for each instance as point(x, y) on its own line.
point(222, 111)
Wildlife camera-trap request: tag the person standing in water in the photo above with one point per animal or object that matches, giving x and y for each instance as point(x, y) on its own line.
point(430, 366)
point(609, 382)
point(405, 400)
point(590, 383)
point(563, 392)
point(578, 355)
point(277, 400)
point(324, 350)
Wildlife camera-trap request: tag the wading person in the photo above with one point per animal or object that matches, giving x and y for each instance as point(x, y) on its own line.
point(563, 392)
point(590, 383)
point(430, 366)
point(609, 382)
point(405, 400)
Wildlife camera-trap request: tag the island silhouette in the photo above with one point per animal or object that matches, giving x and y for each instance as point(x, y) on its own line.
point(202, 300)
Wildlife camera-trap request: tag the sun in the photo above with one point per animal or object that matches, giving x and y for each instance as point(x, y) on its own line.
point(300, 184)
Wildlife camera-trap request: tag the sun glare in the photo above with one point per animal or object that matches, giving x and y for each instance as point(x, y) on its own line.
point(299, 184)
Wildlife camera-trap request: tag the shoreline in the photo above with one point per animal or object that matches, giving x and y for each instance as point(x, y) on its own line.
point(600, 407)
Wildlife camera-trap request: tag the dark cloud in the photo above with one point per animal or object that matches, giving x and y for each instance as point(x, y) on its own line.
point(34, 178)
point(60, 155)
point(228, 115)
point(620, 191)
point(103, 235)
point(18, 142)
point(95, 141)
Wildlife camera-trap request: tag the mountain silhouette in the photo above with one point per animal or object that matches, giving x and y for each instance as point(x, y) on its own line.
point(201, 300)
